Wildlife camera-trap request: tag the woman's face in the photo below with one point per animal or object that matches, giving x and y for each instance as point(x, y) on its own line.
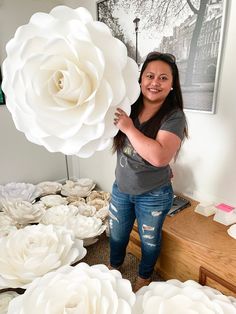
point(156, 82)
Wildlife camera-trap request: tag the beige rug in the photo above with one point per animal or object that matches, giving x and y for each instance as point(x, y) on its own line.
point(98, 253)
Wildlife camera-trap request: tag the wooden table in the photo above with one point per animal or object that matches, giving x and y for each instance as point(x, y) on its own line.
point(195, 247)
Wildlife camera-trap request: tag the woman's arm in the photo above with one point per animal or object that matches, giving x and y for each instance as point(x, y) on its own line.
point(157, 152)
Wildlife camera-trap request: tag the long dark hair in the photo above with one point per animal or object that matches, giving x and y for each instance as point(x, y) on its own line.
point(173, 102)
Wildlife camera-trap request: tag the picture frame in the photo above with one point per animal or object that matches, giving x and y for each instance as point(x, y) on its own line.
point(193, 31)
point(2, 96)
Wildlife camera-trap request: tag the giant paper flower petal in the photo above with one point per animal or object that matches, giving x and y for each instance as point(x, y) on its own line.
point(176, 297)
point(63, 77)
point(5, 298)
point(79, 289)
point(31, 252)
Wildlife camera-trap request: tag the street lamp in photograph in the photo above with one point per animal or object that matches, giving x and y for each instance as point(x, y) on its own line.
point(136, 24)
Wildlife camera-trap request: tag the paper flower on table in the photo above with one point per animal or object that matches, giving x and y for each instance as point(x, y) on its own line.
point(5, 299)
point(19, 191)
point(31, 252)
point(23, 212)
point(58, 215)
point(79, 289)
point(80, 188)
point(64, 76)
point(176, 297)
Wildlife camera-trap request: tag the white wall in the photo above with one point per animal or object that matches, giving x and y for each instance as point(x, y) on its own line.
point(20, 160)
point(205, 169)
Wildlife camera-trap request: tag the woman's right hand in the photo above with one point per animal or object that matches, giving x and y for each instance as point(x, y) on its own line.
point(123, 121)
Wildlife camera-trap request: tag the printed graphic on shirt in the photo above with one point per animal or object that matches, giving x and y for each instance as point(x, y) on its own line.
point(128, 152)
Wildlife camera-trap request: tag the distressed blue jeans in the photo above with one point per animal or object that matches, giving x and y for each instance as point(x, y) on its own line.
point(150, 210)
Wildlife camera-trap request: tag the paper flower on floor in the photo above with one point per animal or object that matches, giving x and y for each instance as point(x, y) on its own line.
point(23, 212)
point(5, 298)
point(58, 215)
point(80, 188)
point(64, 76)
point(6, 225)
point(85, 227)
point(29, 253)
point(53, 200)
point(79, 289)
point(49, 187)
point(176, 297)
point(19, 191)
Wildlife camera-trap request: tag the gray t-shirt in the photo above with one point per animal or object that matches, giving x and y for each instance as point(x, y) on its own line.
point(134, 175)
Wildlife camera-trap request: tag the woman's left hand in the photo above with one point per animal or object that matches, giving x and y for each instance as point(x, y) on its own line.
point(122, 120)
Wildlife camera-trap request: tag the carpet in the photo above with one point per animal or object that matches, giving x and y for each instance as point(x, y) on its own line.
point(98, 253)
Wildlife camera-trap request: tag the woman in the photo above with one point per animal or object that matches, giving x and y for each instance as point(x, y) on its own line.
point(145, 144)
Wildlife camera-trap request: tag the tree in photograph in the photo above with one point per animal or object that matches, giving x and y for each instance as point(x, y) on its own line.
point(156, 14)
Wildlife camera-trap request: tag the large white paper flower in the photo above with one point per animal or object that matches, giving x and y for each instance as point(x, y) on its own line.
point(23, 212)
point(63, 77)
point(79, 289)
point(19, 191)
point(5, 220)
point(49, 187)
point(53, 200)
point(58, 215)
point(176, 297)
point(5, 298)
point(31, 252)
point(85, 227)
point(80, 187)
point(6, 225)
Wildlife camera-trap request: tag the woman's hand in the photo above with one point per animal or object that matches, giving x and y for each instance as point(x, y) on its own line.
point(123, 121)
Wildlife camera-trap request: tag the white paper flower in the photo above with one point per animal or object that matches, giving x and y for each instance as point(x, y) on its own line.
point(106, 196)
point(58, 215)
point(176, 297)
point(53, 200)
point(23, 212)
point(81, 289)
point(5, 230)
point(31, 252)
point(6, 225)
point(5, 298)
point(98, 203)
point(63, 78)
point(102, 213)
point(49, 187)
point(80, 188)
point(19, 191)
point(5, 220)
point(75, 198)
point(85, 227)
point(85, 209)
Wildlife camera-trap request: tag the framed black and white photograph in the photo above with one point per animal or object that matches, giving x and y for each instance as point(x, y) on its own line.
point(192, 30)
point(2, 97)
